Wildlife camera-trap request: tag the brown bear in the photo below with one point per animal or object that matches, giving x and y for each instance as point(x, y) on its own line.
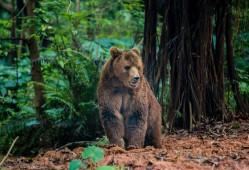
point(128, 108)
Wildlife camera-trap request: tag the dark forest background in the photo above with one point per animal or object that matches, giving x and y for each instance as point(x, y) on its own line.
point(195, 53)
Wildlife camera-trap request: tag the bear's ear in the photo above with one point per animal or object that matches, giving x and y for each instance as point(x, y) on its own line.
point(115, 52)
point(136, 50)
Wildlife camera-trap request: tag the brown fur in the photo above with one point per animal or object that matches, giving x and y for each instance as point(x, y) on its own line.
point(128, 108)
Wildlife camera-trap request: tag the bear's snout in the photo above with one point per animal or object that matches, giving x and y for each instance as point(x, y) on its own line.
point(135, 81)
point(136, 78)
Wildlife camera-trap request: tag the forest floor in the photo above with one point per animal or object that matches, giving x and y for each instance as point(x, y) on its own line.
point(222, 146)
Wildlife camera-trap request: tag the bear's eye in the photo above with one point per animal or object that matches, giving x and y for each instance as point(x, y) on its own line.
point(139, 68)
point(127, 68)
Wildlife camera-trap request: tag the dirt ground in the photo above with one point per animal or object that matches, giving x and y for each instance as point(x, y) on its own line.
point(223, 146)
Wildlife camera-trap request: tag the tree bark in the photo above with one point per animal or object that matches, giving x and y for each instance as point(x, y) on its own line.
point(149, 45)
point(197, 85)
point(161, 71)
point(216, 81)
point(36, 73)
point(195, 47)
point(6, 6)
point(173, 41)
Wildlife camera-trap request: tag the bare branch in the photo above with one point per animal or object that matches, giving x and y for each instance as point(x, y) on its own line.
point(12, 145)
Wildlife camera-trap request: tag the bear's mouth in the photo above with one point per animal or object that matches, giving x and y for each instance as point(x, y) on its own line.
point(134, 84)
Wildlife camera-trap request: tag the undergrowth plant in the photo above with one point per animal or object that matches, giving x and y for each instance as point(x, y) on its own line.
point(74, 38)
point(94, 155)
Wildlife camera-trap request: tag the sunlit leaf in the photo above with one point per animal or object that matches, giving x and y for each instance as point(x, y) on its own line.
point(95, 154)
point(76, 164)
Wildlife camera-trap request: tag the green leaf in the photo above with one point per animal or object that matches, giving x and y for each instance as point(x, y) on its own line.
point(7, 100)
point(74, 31)
point(31, 36)
point(94, 153)
point(43, 27)
point(3, 91)
point(105, 168)
point(10, 83)
point(61, 63)
point(76, 164)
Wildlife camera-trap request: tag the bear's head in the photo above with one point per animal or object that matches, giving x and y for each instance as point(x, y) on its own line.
point(127, 66)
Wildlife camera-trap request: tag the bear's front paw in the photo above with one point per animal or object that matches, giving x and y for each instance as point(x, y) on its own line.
point(133, 147)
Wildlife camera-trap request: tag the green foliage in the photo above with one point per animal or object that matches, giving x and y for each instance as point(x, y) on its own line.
point(76, 164)
point(241, 57)
point(16, 110)
point(94, 154)
point(101, 141)
point(12, 83)
point(73, 45)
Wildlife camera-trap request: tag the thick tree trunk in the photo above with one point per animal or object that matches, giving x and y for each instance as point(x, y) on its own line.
point(215, 104)
point(196, 51)
point(242, 107)
point(149, 45)
point(36, 73)
point(173, 30)
point(197, 85)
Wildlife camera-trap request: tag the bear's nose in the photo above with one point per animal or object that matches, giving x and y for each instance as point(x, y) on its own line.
point(136, 78)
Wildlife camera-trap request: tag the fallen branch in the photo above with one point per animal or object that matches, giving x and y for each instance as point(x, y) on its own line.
point(75, 144)
point(12, 145)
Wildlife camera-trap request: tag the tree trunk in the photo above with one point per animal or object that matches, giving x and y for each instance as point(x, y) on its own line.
point(195, 47)
point(36, 73)
point(162, 65)
point(197, 85)
point(149, 45)
point(6, 6)
point(242, 107)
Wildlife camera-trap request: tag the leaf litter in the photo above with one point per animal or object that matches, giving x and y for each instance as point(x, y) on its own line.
point(222, 146)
